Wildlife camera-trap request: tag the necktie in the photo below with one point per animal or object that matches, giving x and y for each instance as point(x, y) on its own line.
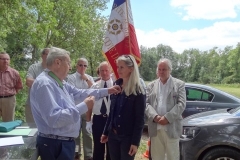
point(103, 109)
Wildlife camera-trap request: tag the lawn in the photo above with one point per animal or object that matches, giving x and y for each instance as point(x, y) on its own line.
point(233, 89)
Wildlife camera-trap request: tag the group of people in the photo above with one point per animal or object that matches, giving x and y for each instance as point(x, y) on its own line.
point(110, 110)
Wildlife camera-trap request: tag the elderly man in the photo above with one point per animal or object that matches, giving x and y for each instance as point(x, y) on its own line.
point(100, 113)
point(166, 100)
point(10, 84)
point(54, 110)
point(33, 71)
point(82, 80)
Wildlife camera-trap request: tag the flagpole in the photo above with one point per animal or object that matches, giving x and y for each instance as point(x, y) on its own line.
point(129, 41)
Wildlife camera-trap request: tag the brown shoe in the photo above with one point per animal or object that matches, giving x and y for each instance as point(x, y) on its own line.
point(77, 156)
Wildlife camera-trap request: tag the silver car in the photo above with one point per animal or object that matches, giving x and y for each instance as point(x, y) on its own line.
point(212, 135)
point(201, 98)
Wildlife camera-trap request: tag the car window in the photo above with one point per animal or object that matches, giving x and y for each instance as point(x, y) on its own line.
point(194, 94)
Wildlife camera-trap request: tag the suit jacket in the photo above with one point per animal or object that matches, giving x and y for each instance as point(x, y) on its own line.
point(130, 121)
point(176, 103)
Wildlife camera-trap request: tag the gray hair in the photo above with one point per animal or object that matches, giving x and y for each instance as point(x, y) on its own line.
point(55, 53)
point(167, 61)
point(104, 63)
point(45, 50)
point(134, 85)
point(82, 59)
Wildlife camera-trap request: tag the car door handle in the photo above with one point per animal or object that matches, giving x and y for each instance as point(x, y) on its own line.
point(198, 108)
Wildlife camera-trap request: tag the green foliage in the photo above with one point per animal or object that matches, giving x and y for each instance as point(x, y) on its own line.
point(21, 99)
point(29, 26)
point(193, 65)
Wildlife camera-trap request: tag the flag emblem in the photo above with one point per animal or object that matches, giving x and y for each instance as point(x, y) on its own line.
point(115, 27)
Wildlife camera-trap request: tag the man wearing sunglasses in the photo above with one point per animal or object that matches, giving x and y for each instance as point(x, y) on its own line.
point(82, 80)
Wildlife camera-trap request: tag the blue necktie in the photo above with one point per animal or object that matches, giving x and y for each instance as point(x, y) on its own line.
point(103, 109)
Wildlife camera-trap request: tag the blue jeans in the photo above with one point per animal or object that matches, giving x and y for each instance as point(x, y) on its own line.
point(54, 149)
point(119, 146)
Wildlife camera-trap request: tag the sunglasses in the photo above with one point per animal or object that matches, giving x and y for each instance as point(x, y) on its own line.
point(129, 58)
point(81, 65)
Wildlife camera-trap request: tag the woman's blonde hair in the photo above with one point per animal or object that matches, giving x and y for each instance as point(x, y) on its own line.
point(134, 85)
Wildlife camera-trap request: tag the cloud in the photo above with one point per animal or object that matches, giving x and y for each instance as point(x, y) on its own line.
point(207, 9)
point(220, 34)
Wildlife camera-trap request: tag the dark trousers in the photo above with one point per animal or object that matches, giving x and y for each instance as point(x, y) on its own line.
point(54, 149)
point(99, 148)
point(119, 146)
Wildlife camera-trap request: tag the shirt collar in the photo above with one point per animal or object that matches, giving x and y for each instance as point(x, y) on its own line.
point(168, 81)
point(108, 82)
point(7, 70)
point(78, 74)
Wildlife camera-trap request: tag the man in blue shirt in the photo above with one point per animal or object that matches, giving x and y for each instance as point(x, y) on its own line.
point(54, 110)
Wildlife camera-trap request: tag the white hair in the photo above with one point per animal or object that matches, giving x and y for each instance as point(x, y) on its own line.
point(167, 61)
point(55, 53)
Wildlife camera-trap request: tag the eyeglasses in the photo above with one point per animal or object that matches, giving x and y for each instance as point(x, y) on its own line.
point(5, 59)
point(82, 65)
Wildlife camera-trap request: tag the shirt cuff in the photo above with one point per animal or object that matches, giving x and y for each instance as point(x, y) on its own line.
point(82, 108)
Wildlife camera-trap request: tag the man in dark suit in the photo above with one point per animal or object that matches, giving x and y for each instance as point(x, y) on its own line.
point(100, 113)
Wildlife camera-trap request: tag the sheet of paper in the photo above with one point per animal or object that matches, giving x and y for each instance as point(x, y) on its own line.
point(17, 132)
point(11, 141)
point(22, 127)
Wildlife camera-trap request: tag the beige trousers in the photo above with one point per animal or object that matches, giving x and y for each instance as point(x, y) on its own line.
point(28, 114)
point(86, 139)
point(7, 108)
point(163, 147)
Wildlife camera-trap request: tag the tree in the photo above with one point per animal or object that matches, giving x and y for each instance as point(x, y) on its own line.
point(75, 25)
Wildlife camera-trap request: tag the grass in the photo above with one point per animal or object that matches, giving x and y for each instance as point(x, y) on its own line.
point(233, 89)
point(141, 150)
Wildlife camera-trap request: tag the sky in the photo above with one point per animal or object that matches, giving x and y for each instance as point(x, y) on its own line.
point(186, 24)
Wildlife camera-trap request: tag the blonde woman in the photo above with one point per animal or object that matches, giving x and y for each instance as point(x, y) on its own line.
point(125, 123)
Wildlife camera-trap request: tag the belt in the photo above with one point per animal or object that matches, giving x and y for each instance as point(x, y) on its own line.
point(6, 96)
point(55, 137)
point(103, 115)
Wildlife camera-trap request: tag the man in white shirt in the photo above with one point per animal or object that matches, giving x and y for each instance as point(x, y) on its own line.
point(82, 80)
point(166, 100)
point(100, 113)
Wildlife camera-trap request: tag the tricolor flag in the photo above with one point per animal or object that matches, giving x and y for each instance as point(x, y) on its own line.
point(120, 37)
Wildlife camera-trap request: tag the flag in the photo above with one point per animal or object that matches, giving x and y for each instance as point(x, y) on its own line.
point(120, 37)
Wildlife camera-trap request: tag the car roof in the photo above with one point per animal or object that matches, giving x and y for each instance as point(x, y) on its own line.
point(219, 95)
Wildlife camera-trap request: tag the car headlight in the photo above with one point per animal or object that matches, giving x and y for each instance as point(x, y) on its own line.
point(190, 132)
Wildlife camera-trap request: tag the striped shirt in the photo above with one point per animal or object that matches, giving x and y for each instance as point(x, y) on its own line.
point(54, 108)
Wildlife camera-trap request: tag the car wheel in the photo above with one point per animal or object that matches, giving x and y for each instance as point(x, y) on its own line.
point(222, 153)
